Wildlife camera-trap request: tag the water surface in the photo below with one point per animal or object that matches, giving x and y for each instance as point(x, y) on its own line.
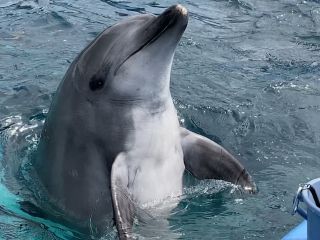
point(246, 74)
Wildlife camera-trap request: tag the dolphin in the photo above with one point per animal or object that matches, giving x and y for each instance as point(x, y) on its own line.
point(112, 139)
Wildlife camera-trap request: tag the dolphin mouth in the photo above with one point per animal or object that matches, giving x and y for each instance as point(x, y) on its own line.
point(174, 16)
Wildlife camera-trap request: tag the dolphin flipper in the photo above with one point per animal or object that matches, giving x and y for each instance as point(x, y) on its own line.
point(123, 206)
point(206, 159)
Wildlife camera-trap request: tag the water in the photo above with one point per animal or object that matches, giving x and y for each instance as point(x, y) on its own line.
point(246, 74)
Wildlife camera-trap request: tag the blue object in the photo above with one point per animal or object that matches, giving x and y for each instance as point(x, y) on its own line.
point(309, 229)
point(298, 233)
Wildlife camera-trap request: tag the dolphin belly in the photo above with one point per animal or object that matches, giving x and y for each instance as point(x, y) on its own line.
point(155, 155)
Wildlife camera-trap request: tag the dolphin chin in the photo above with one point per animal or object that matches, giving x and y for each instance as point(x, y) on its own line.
point(112, 140)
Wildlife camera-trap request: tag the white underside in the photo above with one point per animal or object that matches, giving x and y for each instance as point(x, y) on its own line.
point(154, 156)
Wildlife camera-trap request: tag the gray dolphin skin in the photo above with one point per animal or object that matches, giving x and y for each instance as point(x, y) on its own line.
point(112, 139)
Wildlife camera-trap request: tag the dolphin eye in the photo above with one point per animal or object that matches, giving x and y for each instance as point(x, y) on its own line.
point(96, 83)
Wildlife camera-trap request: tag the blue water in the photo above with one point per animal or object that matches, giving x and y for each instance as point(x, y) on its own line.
point(246, 74)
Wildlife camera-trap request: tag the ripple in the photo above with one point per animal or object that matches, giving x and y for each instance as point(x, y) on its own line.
point(5, 4)
point(25, 4)
point(306, 88)
point(122, 5)
point(241, 4)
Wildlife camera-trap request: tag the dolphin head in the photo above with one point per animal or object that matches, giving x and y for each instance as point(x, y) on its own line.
point(131, 60)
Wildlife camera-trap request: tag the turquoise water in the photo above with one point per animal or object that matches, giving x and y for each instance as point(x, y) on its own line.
point(246, 74)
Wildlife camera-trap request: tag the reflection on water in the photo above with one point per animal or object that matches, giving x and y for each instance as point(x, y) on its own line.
point(246, 74)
